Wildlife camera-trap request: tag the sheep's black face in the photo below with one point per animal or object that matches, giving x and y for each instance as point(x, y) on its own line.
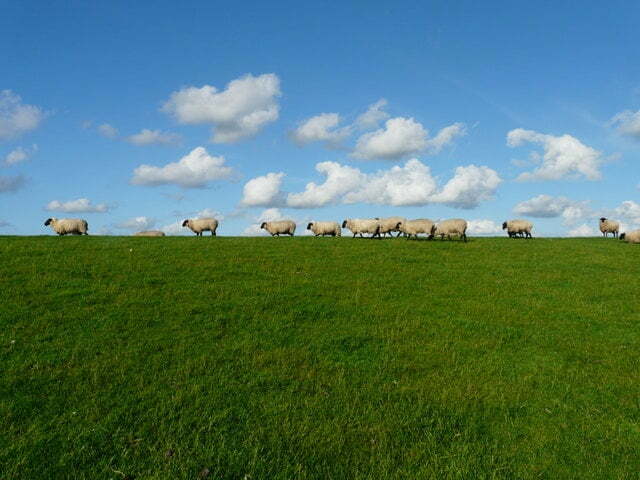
point(344, 224)
point(309, 226)
point(602, 219)
point(504, 225)
point(264, 224)
point(184, 224)
point(47, 222)
point(622, 235)
point(398, 225)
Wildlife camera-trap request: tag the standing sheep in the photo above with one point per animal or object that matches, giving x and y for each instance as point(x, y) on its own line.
point(68, 226)
point(414, 227)
point(199, 225)
point(149, 233)
point(325, 228)
point(358, 226)
point(281, 227)
point(389, 225)
point(454, 226)
point(631, 237)
point(609, 226)
point(518, 227)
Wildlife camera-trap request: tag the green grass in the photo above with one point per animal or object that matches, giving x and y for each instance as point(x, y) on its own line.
point(318, 358)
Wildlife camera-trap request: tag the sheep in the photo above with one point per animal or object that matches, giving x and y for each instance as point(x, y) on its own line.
point(631, 237)
point(281, 227)
point(518, 227)
point(414, 227)
point(360, 226)
point(455, 226)
point(609, 226)
point(150, 233)
point(325, 228)
point(199, 225)
point(388, 225)
point(65, 226)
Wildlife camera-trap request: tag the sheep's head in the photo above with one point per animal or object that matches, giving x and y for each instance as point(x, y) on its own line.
point(602, 219)
point(264, 224)
point(185, 223)
point(622, 235)
point(504, 225)
point(344, 224)
point(309, 226)
point(433, 229)
point(49, 221)
point(398, 225)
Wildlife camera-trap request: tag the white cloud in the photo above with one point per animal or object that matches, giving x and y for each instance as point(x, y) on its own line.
point(175, 228)
point(194, 170)
point(373, 116)
point(629, 210)
point(137, 223)
point(483, 227)
point(107, 130)
point(267, 215)
point(154, 137)
point(246, 106)
point(11, 184)
point(81, 205)
point(321, 128)
point(210, 213)
point(627, 123)
point(263, 191)
point(583, 230)
point(404, 136)
point(19, 154)
point(469, 186)
point(546, 206)
point(17, 118)
point(340, 179)
point(565, 157)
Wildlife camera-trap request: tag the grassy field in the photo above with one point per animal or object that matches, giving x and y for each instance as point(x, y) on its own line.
point(265, 358)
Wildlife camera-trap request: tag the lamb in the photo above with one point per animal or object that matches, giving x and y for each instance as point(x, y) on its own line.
point(325, 228)
point(455, 226)
point(150, 233)
point(388, 225)
point(66, 226)
point(281, 227)
point(609, 226)
point(414, 227)
point(631, 237)
point(199, 225)
point(518, 227)
point(360, 226)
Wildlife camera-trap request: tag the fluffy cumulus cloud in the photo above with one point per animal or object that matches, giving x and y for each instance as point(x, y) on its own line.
point(107, 130)
point(246, 106)
point(409, 184)
point(209, 213)
point(9, 184)
point(373, 116)
point(401, 137)
point(81, 205)
point(17, 118)
point(627, 123)
point(194, 170)
point(583, 230)
point(137, 223)
point(546, 206)
point(154, 137)
point(19, 155)
point(321, 128)
point(483, 227)
point(263, 191)
point(564, 157)
point(629, 210)
point(268, 215)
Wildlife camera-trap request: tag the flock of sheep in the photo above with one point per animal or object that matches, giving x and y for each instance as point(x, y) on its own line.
point(375, 227)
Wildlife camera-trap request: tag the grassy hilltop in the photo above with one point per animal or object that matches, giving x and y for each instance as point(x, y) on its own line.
point(318, 358)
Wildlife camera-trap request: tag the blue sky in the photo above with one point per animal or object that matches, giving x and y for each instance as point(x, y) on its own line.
point(485, 111)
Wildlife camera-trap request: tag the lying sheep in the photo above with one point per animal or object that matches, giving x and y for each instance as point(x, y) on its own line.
point(359, 226)
point(199, 225)
point(150, 233)
point(609, 226)
point(631, 237)
point(325, 228)
point(68, 226)
point(518, 227)
point(455, 226)
point(281, 227)
point(414, 227)
point(388, 225)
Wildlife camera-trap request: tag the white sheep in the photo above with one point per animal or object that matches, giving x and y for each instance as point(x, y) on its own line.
point(360, 226)
point(66, 226)
point(631, 237)
point(150, 233)
point(280, 227)
point(414, 227)
point(609, 226)
point(199, 225)
point(389, 225)
point(325, 228)
point(454, 226)
point(518, 227)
